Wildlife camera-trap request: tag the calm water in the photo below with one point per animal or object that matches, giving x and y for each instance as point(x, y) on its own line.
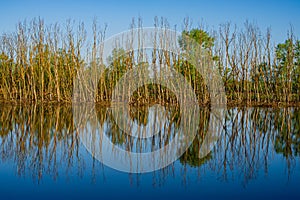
point(42, 156)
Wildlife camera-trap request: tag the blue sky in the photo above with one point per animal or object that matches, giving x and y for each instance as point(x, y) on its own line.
point(278, 15)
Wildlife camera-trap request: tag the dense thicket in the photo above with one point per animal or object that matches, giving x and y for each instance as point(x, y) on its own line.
point(39, 63)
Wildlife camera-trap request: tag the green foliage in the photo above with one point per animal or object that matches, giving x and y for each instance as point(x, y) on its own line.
point(41, 64)
point(288, 67)
point(200, 36)
point(185, 68)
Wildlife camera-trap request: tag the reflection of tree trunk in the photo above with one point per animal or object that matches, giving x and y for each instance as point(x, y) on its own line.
point(31, 136)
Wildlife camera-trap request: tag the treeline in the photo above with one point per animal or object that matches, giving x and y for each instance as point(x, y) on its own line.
point(254, 70)
point(39, 63)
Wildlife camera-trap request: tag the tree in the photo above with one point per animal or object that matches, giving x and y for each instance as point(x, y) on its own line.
point(187, 69)
point(200, 36)
point(288, 68)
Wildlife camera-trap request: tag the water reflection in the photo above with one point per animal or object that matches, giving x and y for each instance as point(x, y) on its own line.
point(38, 139)
point(253, 136)
point(41, 139)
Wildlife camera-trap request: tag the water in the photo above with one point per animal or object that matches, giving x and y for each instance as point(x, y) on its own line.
point(256, 156)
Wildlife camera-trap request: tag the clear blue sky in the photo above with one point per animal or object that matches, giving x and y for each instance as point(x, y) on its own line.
point(278, 15)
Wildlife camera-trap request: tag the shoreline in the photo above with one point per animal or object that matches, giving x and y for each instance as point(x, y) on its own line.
point(229, 104)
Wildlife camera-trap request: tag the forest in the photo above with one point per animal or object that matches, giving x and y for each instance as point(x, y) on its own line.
point(39, 62)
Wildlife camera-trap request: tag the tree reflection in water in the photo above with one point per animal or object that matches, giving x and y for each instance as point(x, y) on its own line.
point(41, 139)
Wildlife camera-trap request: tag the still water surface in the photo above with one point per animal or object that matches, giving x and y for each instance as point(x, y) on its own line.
point(42, 157)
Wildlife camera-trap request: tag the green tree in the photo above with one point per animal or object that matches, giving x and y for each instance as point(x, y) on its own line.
point(288, 69)
point(187, 69)
point(200, 36)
